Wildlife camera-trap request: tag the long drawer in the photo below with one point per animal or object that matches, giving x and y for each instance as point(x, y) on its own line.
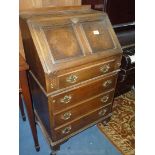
point(74, 96)
point(88, 72)
point(83, 108)
point(61, 132)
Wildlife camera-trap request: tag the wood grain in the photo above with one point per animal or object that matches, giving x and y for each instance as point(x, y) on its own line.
point(30, 4)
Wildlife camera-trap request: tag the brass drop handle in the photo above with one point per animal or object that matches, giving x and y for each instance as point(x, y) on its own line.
point(71, 79)
point(102, 112)
point(105, 68)
point(66, 130)
point(104, 99)
point(66, 99)
point(107, 83)
point(66, 116)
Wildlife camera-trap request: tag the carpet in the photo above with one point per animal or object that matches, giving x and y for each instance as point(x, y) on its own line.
point(120, 130)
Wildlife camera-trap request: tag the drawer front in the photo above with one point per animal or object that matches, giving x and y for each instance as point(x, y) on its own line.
point(72, 97)
point(81, 123)
point(84, 108)
point(86, 73)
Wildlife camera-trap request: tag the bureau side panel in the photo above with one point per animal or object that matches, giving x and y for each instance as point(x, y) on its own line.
point(31, 54)
point(40, 102)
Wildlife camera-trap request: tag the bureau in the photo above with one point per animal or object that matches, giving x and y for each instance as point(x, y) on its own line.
point(74, 57)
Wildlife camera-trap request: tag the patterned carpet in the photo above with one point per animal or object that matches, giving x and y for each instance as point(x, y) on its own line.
point(121, 128)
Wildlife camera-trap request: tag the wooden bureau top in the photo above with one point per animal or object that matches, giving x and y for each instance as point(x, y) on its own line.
point(50, 10)
point(68, 38)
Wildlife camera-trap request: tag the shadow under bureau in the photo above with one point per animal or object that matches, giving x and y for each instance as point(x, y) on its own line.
point(74, 57)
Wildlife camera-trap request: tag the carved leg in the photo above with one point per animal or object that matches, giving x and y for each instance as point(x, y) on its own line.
point(55, 149)
point(105, 122)
point(21, 107)
point(29, 106)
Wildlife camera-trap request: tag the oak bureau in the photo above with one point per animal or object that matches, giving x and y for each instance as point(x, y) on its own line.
point(74, 57)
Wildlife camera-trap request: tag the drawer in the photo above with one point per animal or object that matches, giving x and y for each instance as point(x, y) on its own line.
point(61, 132)
point(83, 108)
point(86, 73)
point(76, 95)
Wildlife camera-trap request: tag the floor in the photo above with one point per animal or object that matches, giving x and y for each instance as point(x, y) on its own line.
point(89, 142)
